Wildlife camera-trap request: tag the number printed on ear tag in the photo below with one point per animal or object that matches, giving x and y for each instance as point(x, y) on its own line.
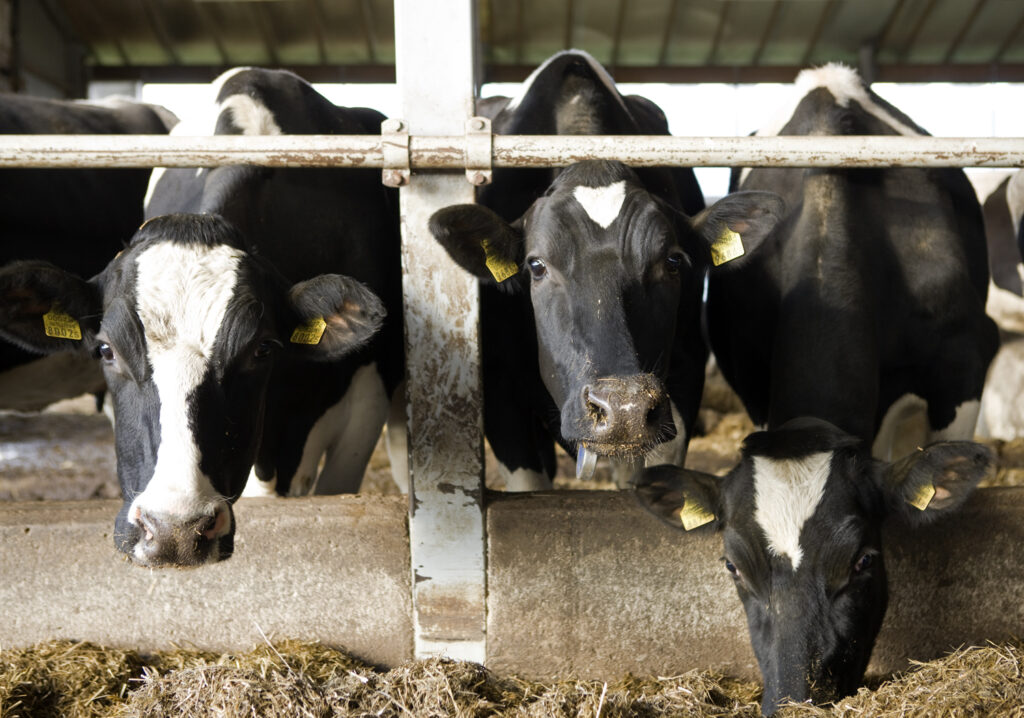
point(310, 332)
point(60, 325)
point(693, 515)
point(727, 247)
point(501, 269)
point(922, 497)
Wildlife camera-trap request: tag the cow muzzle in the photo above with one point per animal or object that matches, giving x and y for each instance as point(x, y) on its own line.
point(621, 416)
point(172, 541)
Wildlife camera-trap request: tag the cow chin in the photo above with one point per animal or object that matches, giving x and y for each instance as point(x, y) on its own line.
point(156, 542)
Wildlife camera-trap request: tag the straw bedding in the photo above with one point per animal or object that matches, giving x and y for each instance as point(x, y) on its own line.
point(292, 678)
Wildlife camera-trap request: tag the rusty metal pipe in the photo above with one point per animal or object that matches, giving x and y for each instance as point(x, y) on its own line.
point(432, 152)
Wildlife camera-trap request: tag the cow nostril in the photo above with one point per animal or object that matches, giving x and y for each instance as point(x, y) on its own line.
point(597, 405)
point(147, 523)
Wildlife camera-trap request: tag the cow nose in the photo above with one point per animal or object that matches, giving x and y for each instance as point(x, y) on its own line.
point(631, 410)
point(171, 541)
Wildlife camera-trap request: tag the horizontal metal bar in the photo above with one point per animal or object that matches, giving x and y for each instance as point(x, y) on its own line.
point(428, 152)
point(492, 72)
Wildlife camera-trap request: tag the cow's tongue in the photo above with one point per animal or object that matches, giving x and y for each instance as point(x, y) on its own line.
point(586, 461)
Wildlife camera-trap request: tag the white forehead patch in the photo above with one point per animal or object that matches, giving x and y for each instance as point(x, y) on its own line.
point(182, 294)
point(602, 204)
point(787, 493)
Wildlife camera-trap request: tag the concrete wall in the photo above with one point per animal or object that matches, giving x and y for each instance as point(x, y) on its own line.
point(580, 583)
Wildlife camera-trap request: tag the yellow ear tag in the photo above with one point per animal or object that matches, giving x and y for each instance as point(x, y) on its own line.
point(501, 269)
point(727, 247)
point(922, 497)
point(310, 332)
point(693, 515)
point(60, 325)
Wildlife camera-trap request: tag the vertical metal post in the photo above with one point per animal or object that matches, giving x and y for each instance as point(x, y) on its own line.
point(435, 47)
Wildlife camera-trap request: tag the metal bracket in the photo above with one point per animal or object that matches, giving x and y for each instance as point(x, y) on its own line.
point(395, 143)
point(478, 151)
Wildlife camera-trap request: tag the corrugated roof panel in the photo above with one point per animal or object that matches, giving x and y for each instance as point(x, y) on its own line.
point(642, 32)
point(851, 27)
point(239, 33)
point(922, 39)
point(544, 26)
point(693, 32)
point(990, 29)
point(501, 33)
point(939, 30)
point(188, 32)
point(594, 28)
point(741, 33)
point(796, 23)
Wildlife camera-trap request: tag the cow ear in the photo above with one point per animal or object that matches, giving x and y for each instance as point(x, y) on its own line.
point(936, 480)
point(334, 315)
point(479, 241)
point(682, 498)
point(738, 223)
point(45, 309)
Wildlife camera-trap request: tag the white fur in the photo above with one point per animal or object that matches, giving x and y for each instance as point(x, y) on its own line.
point(962, 426)
point(1015, 199)
point(904, 428)
point(345, 436)
point(524, 479)
point(670, 452)
point(182, 292)
point(787, 493)
point(602, 204)
point(256, 488)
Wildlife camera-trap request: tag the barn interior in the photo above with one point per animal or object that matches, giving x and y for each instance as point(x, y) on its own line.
point(61, 48)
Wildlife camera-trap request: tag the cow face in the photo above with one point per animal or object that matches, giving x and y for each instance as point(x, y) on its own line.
point(187, 326)
point(608, 267)
point(800, 518)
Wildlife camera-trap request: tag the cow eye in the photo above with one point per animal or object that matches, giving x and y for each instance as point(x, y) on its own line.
point(675, 261)
point(731, 568)
point(537, 267)
point(864, 562)
point(104, 352)
point(266, 348)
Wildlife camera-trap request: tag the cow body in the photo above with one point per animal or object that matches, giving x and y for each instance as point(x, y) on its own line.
point(1004, 229)
point(869, 290)
point(77, 219)
point(242, 327)
point(869, 297)
point(590, 326)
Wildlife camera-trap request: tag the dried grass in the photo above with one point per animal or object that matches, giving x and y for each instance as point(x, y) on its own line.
point(293, 678)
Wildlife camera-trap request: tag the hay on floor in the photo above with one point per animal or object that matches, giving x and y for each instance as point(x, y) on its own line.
point(294, 678)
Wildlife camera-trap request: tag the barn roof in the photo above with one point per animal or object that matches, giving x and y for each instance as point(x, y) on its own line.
point(639, 40)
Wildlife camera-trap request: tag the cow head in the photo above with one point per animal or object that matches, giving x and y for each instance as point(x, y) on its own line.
point(608, 266)
point(800, 518)
point(187, 326)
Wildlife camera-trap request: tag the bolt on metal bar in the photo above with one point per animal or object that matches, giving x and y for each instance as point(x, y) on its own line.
point(449, 152)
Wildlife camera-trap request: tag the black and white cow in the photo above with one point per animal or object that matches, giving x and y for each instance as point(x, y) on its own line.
point(869, 297)
point(77, 219)
point(240, 327)
point(591, 282)
point(871, 289)
point(801, 519)
point(1004, 227)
